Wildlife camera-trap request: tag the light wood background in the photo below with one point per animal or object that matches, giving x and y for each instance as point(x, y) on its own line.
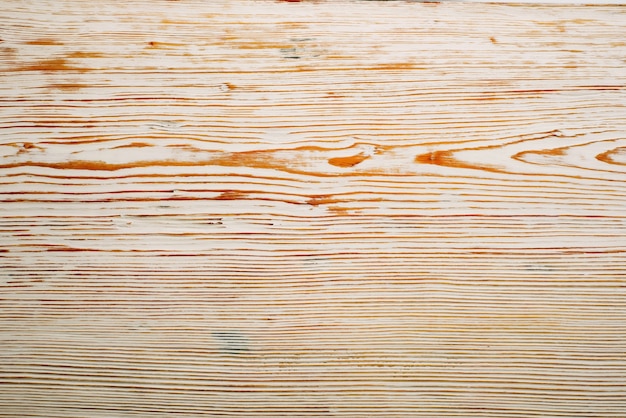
point(312, 209)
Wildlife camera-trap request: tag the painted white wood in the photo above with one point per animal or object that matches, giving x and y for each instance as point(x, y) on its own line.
point(313, 209)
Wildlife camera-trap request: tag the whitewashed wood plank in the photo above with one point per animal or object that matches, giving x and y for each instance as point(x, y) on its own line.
point(343, 209)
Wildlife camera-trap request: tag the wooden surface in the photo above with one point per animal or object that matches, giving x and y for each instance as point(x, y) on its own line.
point(312, 209)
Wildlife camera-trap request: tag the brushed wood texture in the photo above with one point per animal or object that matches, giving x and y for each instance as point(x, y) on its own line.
point(312, 209)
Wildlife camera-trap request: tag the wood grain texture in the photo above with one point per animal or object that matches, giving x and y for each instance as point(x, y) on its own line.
point(312, 209)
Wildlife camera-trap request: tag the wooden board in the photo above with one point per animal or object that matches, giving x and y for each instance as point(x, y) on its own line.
point(312, 209)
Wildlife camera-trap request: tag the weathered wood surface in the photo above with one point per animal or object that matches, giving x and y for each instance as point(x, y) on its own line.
point(326, 209)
